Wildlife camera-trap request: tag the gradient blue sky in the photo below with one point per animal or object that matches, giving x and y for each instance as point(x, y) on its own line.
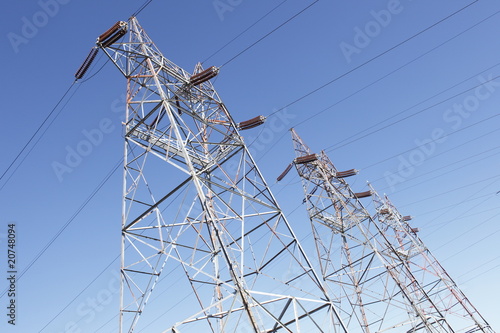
point(449, 185)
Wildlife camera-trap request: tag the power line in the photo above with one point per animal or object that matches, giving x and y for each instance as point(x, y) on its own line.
point(46, 128)
point(376, 57)
point(97, 72)
point(241, 33)
point(468, 230)
point(465, 200)
point(433, 141)
point(140, 9)
point(51, 112)
point(68, 222)
point(490, 196)
point(376, 81)
point(79, 294)
point(460, 203)
point(270, 33)
point(226, 62)
point(36, 131)
point(438, 154)
point(398, 69)
point(446, 166)
point(411, 115)
point(462, 216)
point(452, 190)
point(335, 146)
point(480, 266)
point(38, 139)
point(476, 242)
point(93, 193)
point(481, 274)
point(455, 205)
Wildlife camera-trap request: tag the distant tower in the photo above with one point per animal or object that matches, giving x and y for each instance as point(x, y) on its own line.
point(365, 261)
point(195, 204)
point(444, 293)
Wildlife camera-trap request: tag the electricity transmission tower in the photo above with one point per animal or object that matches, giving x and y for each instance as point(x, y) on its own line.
point(382, 275)
point(435, 281)
point(197, 212)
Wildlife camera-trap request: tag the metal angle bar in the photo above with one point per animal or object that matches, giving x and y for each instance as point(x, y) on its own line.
point(258, 226)
point(202, 272)
point(136, 220)
point(211, 125)
point(264, 213)
point(243, 195)
point(140, 272)
point(163, 226)
point(147, 101)
point(171, 243)
point(138, 201)
point(277, 254)
point(161, 65)
point(237, 215)
point(211, 167)
point(143, 119)
point(282, 314)
point(203, 282)
point(194, 290)
point(145, 260)
point(160, 154)
point(265, 188)
point(113, 60)
point(372, 254)
point(306, 272)
point(194, 317)
point(307, 314)
point(171, 225)
point(311, 318)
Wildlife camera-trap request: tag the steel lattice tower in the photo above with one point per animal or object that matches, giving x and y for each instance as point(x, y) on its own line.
point(381, 284)
point(447, 297)
point(194, 202)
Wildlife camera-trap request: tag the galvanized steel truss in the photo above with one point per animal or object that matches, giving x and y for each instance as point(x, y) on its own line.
point(195, 202)
point(384, 278)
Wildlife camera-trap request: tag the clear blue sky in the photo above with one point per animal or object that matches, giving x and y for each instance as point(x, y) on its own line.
point(441, 165)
